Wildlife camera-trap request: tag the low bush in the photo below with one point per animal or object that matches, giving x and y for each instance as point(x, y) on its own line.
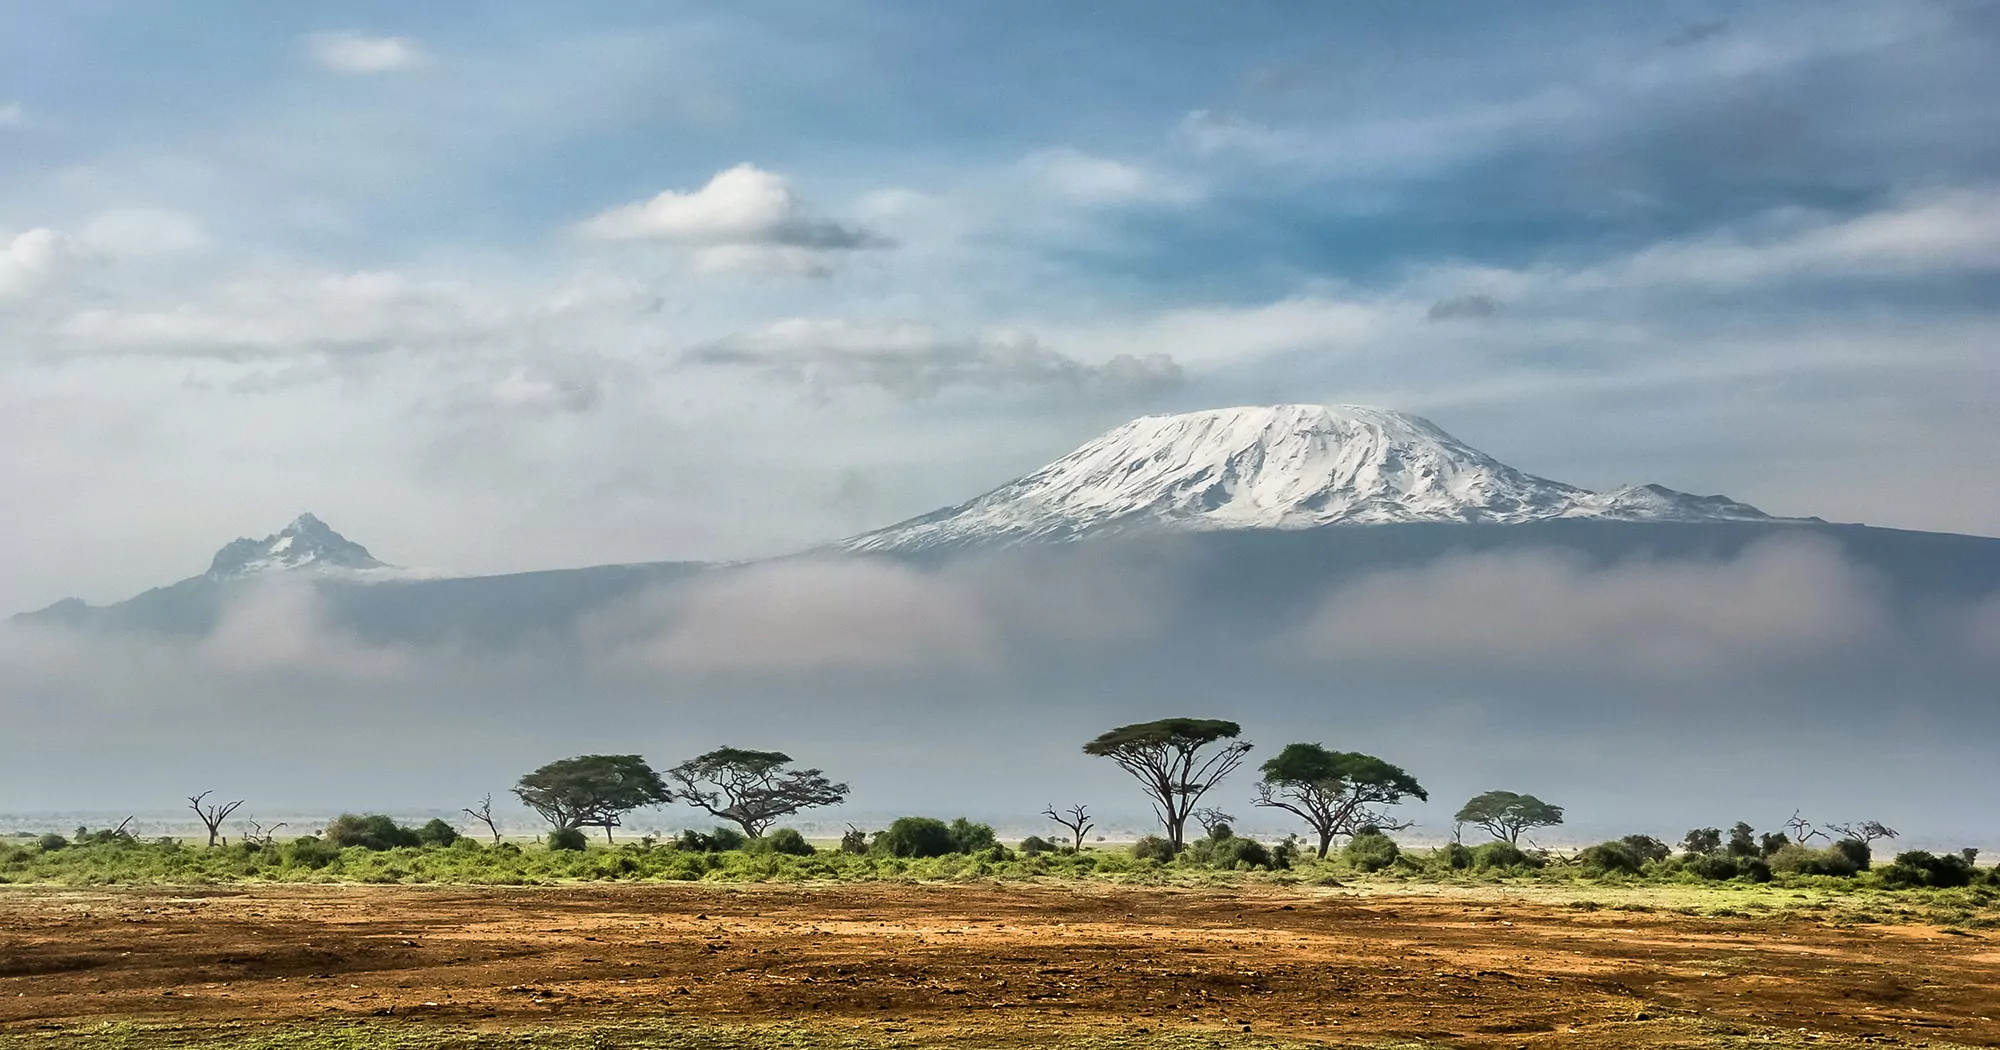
point(51, 842)
point(1035, 846)
point(372, 832)
point(1646, 847)
point(1609, 858)
point(1456, 856)
point(1153, 847)
point(1795, 859)
point(968, 837)
point(916, 837)
point(717, 840)
point(436, 832)
point(309, 852)
point(1856, 852)
point(1370, 851)
point(1500, 854)
point(785, 841)
point(1229, 853)
point(568, 839)
point(1921, 868)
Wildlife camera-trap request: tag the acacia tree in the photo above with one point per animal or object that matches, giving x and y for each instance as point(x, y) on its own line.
point(591, 791)
point(1505, 814)
point(1076, 818)
point(1335, 792)
point(1170, 760)
point(752, 788)
point(1865, 832)
point(212, 814)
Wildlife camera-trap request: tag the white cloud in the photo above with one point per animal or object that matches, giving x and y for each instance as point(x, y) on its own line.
point(744, 219)
point(29, 258)
point(809, 617)
point(1089, 179)
point(914, 359)
point(357, 53)
point(1780, 600)
point(12, 114)
point(143, 231)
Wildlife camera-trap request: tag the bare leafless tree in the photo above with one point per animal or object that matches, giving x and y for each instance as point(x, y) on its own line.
point(1075, 818)
point(484, 815)
point(1211, 818)
point(1867, 831)
point(123, 830)
point(1802, 830)
point(261, 835)
point(213, 814)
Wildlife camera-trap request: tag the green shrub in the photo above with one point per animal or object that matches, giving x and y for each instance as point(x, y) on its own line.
point(1856, 852)
point(854, 841)
point(1457, 856)
point(51, 842)
point(1370, 851)
point(310, 852)
point(1646, 847)
point(1920, 868)
point(1488, 856)
point(718, 840)
point(1229, 853)
point(1753, 869)
point(968, 837)
point(1712, 866)
point(787, 842)
point(436, 832)
point(1153, 847)
point(1795, 859)
point(1035, 846)
point(915, 837)
point(1614, 857)
point(373, 832)
point(568, 839)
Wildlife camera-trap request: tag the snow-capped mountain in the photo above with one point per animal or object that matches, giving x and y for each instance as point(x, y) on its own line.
point(306, 544)
point(1278, 467)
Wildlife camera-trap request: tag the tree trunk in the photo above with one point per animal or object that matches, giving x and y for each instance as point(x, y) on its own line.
point(1325, 843)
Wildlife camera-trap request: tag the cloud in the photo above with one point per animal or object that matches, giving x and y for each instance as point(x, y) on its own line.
point(912, 359)
point(1462, 306)
point(12, 114)
point(360, 54)
point(1780, 602)
point(532, 390)
point(1089, 179)
point(282, 626)
point(809, 617)
point(743, 219)
point(1937, 232)
point(133, 232)
point(29, 258)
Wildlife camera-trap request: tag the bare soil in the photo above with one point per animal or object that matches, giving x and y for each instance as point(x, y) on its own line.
point(1467, 969)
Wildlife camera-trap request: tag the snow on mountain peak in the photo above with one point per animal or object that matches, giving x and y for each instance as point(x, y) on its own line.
point(1283, 467)
point(306, 544)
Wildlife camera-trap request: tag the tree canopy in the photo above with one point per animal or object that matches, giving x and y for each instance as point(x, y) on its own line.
point(1167, 758)
point(752, 788)
point(1335, 792)
point(591, 790)
point(1505, 814)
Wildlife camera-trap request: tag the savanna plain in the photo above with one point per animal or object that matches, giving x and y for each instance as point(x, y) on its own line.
point(741, 951)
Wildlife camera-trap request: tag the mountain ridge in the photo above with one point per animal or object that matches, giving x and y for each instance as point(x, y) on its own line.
point(1277, 467)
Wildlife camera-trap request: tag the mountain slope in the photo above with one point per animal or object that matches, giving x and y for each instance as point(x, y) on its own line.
point(306, 544)
point(1279, 467)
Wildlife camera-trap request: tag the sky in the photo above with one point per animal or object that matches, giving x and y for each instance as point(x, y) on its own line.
point(558, 287)
point(501, 287)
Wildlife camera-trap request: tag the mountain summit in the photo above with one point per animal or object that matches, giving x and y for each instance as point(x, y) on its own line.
point(307, 543)
point(1278, 467)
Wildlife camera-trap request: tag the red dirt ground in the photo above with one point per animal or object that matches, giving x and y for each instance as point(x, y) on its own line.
point(1285, 961)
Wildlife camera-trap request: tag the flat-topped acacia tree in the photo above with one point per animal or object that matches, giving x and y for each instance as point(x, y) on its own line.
point(752, 788)
point(1336, 792)
point(1505, 814)
point(1176, 761)
point(591, 791)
